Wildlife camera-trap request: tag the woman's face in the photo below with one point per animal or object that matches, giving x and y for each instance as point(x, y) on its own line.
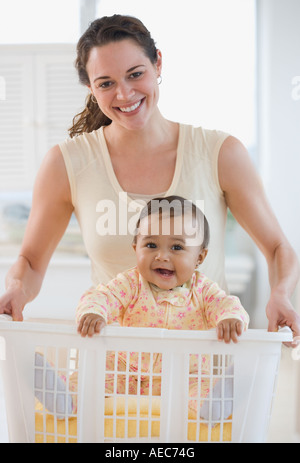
point(124, 82)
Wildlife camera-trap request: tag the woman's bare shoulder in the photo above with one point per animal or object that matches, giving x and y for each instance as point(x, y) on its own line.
point(53, 175)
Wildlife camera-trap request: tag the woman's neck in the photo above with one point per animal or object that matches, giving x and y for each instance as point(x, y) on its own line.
point(153, 151)
point(159, 133)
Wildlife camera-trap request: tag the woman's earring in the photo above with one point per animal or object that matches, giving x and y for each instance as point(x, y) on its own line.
point(93, 99)
point(159, 80)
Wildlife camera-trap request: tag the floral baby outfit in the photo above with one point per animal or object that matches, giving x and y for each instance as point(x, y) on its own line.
point(130, 300)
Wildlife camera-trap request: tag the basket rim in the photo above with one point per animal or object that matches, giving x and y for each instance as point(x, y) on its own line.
point(68, 327)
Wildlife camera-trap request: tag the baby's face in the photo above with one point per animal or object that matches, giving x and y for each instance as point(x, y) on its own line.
point(167, 251)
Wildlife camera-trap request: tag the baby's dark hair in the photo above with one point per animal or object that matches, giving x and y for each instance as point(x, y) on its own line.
point(175, 206)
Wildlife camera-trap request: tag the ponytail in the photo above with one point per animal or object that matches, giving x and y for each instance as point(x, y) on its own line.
point(91, 118)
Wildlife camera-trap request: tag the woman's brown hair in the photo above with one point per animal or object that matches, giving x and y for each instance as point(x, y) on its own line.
point(101, 32)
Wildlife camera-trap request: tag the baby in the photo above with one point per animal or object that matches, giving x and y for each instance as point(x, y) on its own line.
point(166, 288)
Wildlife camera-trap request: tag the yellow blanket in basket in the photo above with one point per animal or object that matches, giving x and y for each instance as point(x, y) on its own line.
point(48, 429)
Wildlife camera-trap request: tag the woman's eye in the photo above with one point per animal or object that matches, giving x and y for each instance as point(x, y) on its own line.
point(135, 75)
point(105, 84)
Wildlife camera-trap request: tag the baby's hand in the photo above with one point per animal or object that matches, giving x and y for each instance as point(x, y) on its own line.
point(90, 324)
point(229, 329)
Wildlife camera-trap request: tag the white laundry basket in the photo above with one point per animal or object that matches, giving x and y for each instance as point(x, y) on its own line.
point(249, 368)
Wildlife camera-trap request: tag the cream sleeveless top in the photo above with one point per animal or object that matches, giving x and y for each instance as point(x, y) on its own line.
point(107, 215)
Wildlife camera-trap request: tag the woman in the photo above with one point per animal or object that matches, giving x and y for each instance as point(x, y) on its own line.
point(122, 150)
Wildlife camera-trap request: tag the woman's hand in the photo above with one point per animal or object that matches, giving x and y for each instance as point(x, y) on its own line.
point(280, 312)
point(13, 301)
point(90, 324)
point(229, 330)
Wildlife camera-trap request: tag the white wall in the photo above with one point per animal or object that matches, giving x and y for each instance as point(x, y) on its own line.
point(279, 119)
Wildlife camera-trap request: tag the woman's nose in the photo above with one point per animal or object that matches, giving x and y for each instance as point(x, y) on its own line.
point(125, 91)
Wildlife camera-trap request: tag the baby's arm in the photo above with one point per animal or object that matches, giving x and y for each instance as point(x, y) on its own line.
point(223, 311)
point(91, 312)
point(90, 324)
point(105, 304)
point(229, 330)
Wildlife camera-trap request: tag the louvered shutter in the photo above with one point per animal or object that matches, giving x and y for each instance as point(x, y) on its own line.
point(42, 96)
point(59, 98)
point(17, 151)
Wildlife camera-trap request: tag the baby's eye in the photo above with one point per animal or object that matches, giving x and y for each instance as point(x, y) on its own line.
point(177, 247)
point(151, 245)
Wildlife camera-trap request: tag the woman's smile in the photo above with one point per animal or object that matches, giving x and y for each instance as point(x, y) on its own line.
point(132, 108)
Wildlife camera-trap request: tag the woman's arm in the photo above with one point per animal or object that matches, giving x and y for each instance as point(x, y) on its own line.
point(245, 196)
point(50, 214)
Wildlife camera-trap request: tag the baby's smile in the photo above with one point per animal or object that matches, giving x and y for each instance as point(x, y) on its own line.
point(164, 272)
